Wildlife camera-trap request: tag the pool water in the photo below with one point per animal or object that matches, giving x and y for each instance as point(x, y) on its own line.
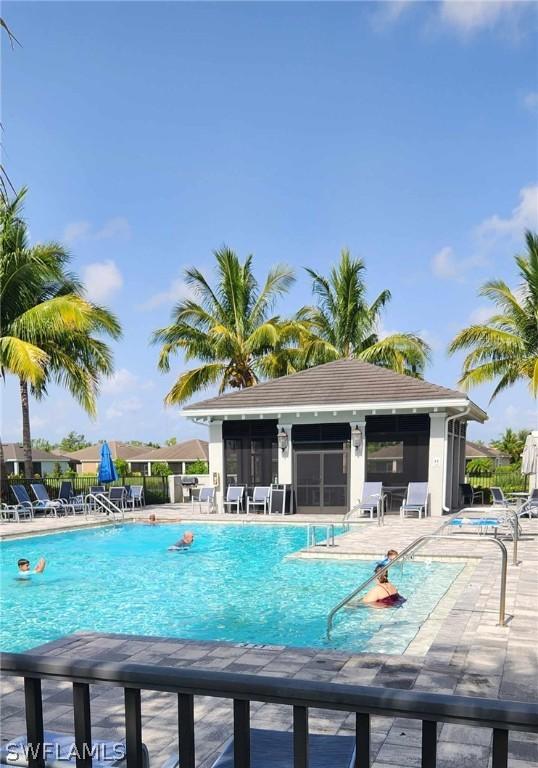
point(235, 584)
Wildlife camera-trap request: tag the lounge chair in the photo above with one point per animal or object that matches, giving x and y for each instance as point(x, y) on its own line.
point(274, 749)
point(42, 497)
point(135, 496)
point(371, 500)
point(260, 498)
point(24, 500)
point(118, 495)
point(416, 500)
point(206, 496)
point(67, 495)
point(469, 495)
point(95, 489)
point(234, 498)
point(16, 512)
point(530, 507)
point(61, 754)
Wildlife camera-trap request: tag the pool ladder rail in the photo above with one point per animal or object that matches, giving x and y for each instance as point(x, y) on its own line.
point(405, 553)
point(101, 500)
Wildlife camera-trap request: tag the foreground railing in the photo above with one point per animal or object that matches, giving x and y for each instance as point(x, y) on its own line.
point(430, 708)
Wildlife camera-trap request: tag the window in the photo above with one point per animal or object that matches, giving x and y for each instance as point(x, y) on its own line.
point(250, 452)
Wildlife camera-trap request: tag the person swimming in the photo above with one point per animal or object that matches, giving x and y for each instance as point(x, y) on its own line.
point(24, 571)
point(383, 593)
point(185, 542)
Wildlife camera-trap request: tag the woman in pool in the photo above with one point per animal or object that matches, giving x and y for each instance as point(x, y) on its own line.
point(383, 593)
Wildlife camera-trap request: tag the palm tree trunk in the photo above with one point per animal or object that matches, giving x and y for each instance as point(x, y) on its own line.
point(26, 436)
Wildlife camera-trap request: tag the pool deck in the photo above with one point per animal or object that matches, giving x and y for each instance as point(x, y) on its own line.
point(460, 649)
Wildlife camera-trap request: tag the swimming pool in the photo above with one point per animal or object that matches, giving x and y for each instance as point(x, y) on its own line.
point(235, 584)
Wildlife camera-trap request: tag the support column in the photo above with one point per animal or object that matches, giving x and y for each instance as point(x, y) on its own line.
point(437, 463)
point(149, 468)
point(285, 471)
point(216, 459)
point(357, 464)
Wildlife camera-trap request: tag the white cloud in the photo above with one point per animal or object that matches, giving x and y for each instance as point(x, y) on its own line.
point(468, 16)
point(82, 230)
point(530, 101)
point(124, 380)
point(447, 266)
point(121, 408)
point(481, 315)
point(524, 216)
point(176, 291)
point(102, 279)
point(390, 12)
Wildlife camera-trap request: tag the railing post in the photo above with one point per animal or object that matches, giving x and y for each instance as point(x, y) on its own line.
point(185, 706)
point(133, 728)
point(34, 722)
point(241, 733)
point(82, 720)
point(300, 737)
point(499, 757)
point(429, 744)
point(362, 740)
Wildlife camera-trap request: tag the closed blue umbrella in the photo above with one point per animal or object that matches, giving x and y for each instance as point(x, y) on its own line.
point(107, 471)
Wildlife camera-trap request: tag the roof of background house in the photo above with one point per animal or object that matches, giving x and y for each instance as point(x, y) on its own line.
point(342, 382)
point(15, 452)
point(117, 449)
point(479, 451)
point(189, 450)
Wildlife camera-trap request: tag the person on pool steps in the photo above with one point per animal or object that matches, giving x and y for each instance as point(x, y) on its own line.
point(383, 593)
point(24, 567)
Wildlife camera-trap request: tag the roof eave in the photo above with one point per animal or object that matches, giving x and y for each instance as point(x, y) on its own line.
point(437, 404)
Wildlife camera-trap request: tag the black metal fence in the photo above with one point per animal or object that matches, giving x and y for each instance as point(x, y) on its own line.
point(300, 695)
point(510, 481)
point(156, 489)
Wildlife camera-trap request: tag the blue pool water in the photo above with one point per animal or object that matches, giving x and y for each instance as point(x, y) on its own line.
point(235, 584)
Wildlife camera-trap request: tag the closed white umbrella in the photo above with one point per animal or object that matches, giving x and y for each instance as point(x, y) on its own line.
point(529, 460)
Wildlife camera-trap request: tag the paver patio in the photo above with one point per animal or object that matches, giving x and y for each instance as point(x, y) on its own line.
point(460, 649)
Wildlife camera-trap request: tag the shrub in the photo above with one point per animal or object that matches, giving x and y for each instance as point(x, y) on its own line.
point(197, 468)
point(161, 469)
point(480, 467)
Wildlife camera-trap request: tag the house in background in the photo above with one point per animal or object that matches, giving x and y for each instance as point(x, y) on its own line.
point(45, 462)
point(479, 451)
point(88, 458)
point(178, 457)
point(321, 432)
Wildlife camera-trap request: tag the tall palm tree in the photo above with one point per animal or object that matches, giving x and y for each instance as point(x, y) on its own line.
point(505, 349)
point(49, 330)
point(229, 328)
point(344, 324)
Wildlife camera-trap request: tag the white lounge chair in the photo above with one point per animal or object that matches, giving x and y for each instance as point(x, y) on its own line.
point(370, 502)
point(260, 498)
point(234, 498)
point(135, 496)
point(206, 497)
point(416, 500)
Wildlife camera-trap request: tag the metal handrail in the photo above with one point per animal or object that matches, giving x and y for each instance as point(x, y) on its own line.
point(414, 545)
point(105, 503)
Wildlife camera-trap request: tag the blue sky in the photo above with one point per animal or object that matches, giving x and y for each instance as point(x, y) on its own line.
point(150, 134)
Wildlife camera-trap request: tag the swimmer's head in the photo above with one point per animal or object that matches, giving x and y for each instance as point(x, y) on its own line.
point(188, 537)
point(152, 517)
point(391, 554)
point(24, 564)
point(381, 577)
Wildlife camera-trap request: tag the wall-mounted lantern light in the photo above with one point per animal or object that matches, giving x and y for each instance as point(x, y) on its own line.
point(283, 440)
point(356, 437)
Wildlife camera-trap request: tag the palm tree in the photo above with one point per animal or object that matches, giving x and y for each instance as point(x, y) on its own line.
point(345, 325)
point(505, 349)
point(47, 325)
point(229, 328)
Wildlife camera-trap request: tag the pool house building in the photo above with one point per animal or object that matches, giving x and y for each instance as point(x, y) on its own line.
point(327, 430)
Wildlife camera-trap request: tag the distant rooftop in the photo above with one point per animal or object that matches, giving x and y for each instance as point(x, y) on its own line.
point(188, 450)
point(479, 451)
point(117, 449)
point(15, 452)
